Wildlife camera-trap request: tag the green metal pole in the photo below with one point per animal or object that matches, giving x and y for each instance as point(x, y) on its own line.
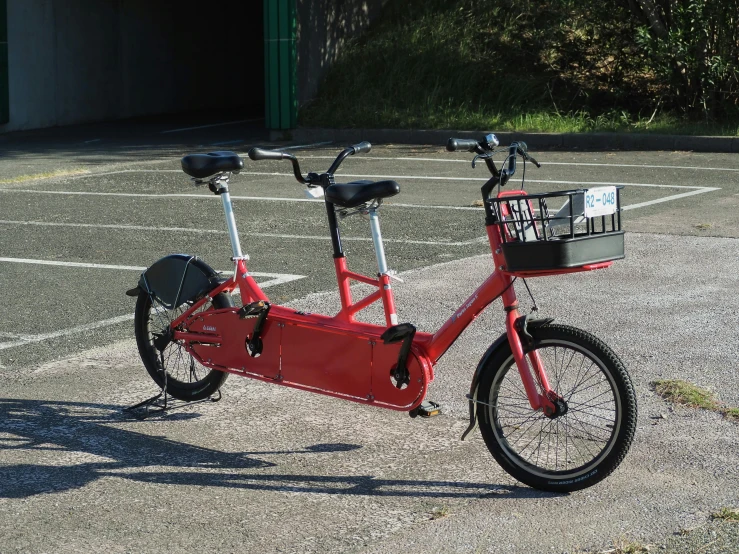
point(280, 89)
point(4, 100)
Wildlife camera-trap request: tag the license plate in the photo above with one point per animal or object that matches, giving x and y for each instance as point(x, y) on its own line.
point(600, 201)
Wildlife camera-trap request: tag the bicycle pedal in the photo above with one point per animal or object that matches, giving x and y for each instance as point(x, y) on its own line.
point(397, 333)
point(428, 408)
point(253, 310)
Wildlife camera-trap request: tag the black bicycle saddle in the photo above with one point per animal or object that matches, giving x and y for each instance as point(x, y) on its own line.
point(350, 195)
point(201, 166)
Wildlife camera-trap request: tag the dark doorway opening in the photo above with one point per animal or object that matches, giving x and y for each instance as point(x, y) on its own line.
point(196, 57)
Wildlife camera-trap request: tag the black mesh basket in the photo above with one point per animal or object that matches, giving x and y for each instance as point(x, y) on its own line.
point(549, 231)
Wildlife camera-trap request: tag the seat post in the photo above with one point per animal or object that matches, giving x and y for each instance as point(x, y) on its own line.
point(377, 240)
point(230, 220)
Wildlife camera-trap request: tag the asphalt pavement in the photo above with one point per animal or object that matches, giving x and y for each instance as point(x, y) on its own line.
point(269, 469)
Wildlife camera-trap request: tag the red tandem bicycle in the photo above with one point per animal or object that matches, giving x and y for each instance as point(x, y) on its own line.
point(554, 404)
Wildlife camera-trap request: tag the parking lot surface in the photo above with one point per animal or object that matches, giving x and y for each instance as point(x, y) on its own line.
point(269, 469)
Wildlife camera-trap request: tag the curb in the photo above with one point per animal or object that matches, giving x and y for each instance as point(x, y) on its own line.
point(540, 141)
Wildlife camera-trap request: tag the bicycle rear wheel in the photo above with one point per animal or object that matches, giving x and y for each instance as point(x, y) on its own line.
point(186, 379)
point(593, 429)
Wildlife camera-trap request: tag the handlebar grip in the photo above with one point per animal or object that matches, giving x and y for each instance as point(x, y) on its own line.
point(468, 145)
point(512, 153)
point(362, 148)
point(258, 154)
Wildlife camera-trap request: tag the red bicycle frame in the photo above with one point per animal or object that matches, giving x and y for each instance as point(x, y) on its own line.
point(313, 333)
point(338, 355)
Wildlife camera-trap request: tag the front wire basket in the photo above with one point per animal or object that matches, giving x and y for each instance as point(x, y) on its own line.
point(549, 231)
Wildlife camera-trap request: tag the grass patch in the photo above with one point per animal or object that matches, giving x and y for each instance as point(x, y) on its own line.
point(536, 67)
point(44, 175)
point(439, 512)
point(625, 546)
point(682, 392)
point(727, 514)
point(678, 391)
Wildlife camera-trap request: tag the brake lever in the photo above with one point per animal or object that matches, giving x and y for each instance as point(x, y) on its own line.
point(524, 151)
point(485, 156)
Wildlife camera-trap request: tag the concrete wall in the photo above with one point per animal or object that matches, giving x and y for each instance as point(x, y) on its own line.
point(71, 61)
point(323, 28)
point(74, 61)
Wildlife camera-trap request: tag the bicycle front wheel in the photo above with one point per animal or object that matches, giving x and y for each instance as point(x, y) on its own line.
point(185, 378)
point(593, 428)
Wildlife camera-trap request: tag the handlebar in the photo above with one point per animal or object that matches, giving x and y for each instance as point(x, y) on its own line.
point(312, 179)
point(485, 149)
point(362, 148)
point(469, 145)
point(258, 154)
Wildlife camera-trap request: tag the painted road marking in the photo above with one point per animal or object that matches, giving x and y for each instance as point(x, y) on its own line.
point(695, 190)
point(221, 232)
point(303, 146)
point(237, 141)
point(71, 264)
point(543, 163)
point(366, 176)
point(254, 120)
point(21, 340)
point(484, 179)
point(27, 339)
point(668, 198)
point(274, 278)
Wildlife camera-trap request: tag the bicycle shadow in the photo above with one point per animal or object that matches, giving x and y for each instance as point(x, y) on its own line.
point(53, 433)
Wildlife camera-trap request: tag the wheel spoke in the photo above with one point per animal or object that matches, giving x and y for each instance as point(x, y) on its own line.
point(569, 443)
point(175, 364)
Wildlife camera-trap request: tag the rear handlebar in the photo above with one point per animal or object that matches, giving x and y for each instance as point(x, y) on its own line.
point(312, 179)
point(258, 154)
point(361, 148)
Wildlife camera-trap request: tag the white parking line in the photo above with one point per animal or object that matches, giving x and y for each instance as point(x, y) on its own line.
point(484, 179)
point(71, 264)
point(342, 174)
point(21, 339)
point(543, 163)
point(221, 232)
point(668, 198)
point(253, 120)
point(694, 190)
point(299, 146)
point(227, 142)
point(27, 339)
point(274, 278)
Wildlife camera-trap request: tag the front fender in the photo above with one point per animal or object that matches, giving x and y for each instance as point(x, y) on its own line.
point(523, 323)
point(176, 279)
point(500, 342)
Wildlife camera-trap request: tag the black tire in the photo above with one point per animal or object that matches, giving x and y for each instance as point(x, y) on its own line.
point(574, 450)
point(186, 378)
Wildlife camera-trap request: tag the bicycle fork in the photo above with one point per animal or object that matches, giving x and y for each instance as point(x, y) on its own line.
point(530, 367)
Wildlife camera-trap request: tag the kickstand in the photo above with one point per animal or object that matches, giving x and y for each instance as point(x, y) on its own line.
point(161, 403)
point(144, 409)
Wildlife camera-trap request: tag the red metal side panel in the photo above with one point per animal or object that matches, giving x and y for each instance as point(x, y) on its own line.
point(326, 360)
point(232, 353)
